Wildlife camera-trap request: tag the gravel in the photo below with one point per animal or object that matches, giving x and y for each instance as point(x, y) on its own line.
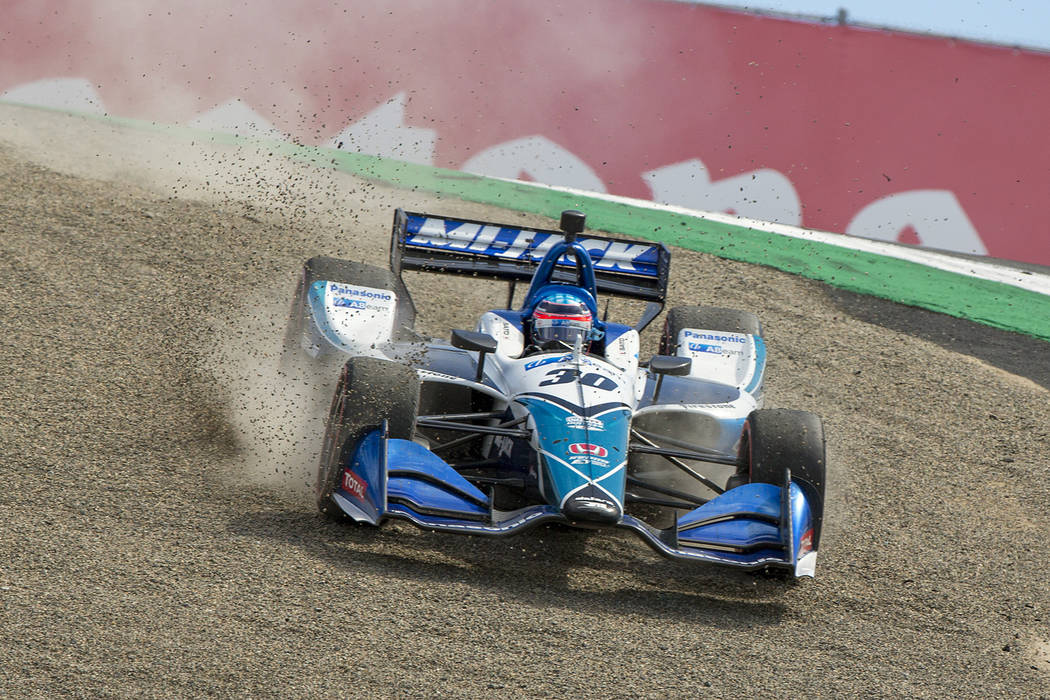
point(159, 538)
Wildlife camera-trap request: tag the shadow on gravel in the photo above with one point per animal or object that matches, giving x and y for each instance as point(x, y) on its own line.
point(1018, 354)
point(546, 567)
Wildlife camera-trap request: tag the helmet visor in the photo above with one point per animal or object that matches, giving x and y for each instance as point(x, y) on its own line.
point(547, 327)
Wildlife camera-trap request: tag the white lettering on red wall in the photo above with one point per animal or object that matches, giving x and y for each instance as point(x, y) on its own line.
point(887, 135)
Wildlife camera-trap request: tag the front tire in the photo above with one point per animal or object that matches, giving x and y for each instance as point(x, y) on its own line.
point(775, 439)
point(369, 391)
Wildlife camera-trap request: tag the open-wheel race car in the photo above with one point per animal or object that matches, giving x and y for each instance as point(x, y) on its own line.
point(544, 413)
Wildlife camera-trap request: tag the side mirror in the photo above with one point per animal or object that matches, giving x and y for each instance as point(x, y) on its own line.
point(481, 343)
point(662, 365)
point(670, 364)
point(472, 340)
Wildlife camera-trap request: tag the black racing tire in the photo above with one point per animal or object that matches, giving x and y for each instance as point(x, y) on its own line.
point(711, 318)
point(775, 439)
point(322, 268)
point(369, 391)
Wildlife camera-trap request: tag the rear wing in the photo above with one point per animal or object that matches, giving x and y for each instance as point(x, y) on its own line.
point(637, 269)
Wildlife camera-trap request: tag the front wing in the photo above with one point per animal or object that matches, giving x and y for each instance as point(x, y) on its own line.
point(753, 526)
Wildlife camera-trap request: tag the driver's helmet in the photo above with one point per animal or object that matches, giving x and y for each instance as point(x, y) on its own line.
point(561, 316)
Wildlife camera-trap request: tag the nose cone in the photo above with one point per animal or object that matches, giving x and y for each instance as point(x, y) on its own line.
point(591, 505)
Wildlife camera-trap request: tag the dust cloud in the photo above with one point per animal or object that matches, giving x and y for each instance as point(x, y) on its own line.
point(276, 408)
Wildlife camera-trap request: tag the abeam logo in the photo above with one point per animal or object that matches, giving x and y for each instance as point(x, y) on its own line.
point(344, 302)
point(586, 448)
point(701, 347)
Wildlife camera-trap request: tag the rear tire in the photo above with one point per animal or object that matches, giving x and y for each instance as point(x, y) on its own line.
point(775, 439)
point(370, 391)
point(709, 318)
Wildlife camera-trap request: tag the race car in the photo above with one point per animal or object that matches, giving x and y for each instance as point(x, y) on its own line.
point(544, 413)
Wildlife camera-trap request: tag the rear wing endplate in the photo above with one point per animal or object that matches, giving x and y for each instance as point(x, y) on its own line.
point(637, 269)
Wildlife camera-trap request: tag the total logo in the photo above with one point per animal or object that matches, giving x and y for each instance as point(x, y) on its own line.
point(354, 485)
point(806, 542)
point(586, 448)
point(360, 292)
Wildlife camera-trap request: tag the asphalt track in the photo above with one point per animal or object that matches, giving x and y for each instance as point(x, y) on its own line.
point(158, 537)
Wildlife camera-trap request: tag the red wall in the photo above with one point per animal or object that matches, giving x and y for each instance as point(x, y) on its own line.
point(889, 135)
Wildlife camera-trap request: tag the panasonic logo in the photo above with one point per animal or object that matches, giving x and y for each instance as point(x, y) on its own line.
point(359, 292)
point(721, 338)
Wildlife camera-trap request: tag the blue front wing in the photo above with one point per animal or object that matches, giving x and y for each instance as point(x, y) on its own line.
point(749, 527)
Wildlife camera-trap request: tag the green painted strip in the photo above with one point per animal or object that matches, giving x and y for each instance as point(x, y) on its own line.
point(991, 303)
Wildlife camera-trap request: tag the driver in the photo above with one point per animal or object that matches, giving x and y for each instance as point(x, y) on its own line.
point(561, 317)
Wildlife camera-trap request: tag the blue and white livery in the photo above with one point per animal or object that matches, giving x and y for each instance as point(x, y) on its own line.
point(497, 430)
